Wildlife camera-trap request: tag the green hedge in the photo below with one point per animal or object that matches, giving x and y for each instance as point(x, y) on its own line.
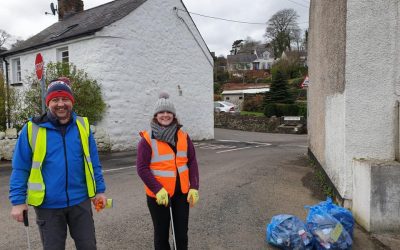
point(281, 109)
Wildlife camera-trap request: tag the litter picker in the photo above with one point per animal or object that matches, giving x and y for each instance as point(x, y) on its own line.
point(26, 224)
point(172, 224)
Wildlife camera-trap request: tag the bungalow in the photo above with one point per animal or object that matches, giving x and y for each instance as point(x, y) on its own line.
point(236, 93)
point(135, 49)
point(258, 57)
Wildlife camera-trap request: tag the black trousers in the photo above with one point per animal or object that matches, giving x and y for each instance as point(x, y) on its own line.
point(161, 221)
point(53, 226)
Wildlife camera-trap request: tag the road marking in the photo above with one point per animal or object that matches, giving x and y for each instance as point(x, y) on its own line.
point(229, 140)
point(116, 169)
point(260, 143)
point(293, 145)
point(223, 151)
point(229, 148)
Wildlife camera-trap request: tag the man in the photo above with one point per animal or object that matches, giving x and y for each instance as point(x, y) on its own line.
point(56, 169)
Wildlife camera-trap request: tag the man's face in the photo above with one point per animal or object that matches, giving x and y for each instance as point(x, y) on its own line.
point(61, 107)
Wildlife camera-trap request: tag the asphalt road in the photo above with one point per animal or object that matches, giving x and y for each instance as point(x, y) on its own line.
point(245, 179)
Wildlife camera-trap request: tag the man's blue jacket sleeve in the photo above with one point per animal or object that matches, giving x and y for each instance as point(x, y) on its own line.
point(21, 167)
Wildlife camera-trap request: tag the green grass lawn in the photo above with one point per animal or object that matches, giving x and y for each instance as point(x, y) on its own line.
point(251, 113)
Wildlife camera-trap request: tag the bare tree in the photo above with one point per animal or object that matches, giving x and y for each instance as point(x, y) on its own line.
point(4, 36)
point(250, 45)
point(17, 43)
point(297, 39)
point(281, 29)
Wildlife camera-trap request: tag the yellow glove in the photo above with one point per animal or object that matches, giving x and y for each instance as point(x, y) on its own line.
point(162, 197)
point(193, 197)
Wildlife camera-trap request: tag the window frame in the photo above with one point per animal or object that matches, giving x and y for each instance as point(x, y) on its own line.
point(16, 71)
point(62, 58)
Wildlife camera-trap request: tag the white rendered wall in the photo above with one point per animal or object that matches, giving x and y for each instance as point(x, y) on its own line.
point(369, 95)
point(355, 119)
point(337, 170)
point(153, 51)
point(134, 59)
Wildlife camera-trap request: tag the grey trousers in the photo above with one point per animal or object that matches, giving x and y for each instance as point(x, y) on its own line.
point(53, 225)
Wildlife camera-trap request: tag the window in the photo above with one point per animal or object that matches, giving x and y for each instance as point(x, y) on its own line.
point(256, 65)
point(16, 70)
point(63, 55)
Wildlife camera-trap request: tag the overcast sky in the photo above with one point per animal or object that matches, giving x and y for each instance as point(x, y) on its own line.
point(25, 18)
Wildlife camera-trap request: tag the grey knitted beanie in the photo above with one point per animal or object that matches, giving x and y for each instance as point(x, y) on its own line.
point(164, 104)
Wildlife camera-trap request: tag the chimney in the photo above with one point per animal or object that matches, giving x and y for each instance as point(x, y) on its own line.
point(67, 8)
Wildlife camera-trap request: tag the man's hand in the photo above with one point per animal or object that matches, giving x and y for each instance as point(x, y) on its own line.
point(162, 197)
point(99, 201)
point(193, 197)
point(17, 212)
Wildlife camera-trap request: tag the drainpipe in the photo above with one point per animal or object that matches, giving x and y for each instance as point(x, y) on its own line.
point(8, 94)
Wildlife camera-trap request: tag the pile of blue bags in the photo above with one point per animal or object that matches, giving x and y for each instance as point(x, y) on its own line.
point(327, 226)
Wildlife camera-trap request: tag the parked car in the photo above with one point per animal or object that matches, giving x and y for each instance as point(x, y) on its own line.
point(227, 107)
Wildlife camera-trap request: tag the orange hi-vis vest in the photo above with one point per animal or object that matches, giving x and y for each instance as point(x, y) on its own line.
point(165, 163)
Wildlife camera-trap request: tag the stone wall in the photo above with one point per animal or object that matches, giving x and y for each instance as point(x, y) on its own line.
point(8, 139)
point(257, 124)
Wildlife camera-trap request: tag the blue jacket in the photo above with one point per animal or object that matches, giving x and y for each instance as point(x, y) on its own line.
point(62, 169)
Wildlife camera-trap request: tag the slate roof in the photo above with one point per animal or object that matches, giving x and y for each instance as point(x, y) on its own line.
point(241, 58)
point(78, 25)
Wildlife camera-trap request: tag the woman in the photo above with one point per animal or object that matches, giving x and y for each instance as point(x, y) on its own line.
point(166, 162)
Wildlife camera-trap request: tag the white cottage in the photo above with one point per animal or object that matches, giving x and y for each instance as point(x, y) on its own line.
point(135, 49)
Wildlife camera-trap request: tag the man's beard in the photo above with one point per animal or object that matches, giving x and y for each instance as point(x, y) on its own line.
point(65, 117)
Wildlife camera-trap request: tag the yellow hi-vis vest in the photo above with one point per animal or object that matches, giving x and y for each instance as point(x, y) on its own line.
point(37, 140)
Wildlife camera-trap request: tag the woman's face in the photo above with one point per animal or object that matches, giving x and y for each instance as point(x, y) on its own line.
point(164, 118)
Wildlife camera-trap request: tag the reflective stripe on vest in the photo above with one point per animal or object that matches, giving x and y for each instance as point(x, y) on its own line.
point(37, 137)
point(165, 164)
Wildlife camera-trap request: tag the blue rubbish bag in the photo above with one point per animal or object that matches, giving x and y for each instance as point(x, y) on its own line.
point(328, 232)
point(289, 232)
point(342, 214)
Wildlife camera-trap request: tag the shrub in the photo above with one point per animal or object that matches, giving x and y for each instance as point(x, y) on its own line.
point(217, 87)
point(254, 104)
point(87, 93)
point(265, 80)
point(296, 82)
point(270, 110)
point(217, 97)
point(283, 109)
point(302, 109)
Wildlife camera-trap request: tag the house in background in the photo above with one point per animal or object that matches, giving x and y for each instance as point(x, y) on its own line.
point(237, 93)
point(258, 57)
point(135, 49)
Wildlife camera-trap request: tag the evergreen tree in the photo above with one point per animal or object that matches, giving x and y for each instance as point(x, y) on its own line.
point(279, 92)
